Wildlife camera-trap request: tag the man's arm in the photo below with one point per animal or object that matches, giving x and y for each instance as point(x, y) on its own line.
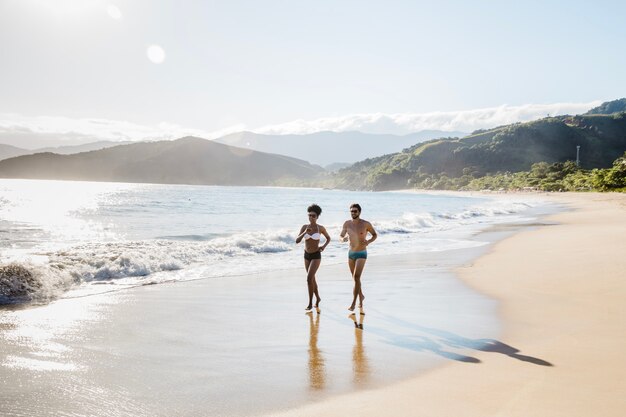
point(370, 229)
point(342, 235)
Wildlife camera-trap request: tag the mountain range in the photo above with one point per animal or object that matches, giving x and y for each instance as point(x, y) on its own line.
point(598, 138)
point(326, 148)
point(188, 160)
point(332, 150)
point(10, 151)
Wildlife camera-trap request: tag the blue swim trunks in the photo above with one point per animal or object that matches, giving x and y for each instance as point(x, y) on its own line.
point(354, 255)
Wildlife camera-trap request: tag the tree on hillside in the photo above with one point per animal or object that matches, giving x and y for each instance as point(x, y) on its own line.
point(610, 107)
point(613, 178)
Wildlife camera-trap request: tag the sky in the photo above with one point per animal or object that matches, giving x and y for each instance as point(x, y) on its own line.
point(72, 70)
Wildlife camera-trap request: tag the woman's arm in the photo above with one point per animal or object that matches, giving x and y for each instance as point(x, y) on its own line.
point(303, 230)
point(327, 236)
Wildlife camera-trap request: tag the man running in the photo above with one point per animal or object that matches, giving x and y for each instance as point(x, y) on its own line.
point(357, 230)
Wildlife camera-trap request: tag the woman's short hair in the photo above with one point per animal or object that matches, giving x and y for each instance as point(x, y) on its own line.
point(315, 209)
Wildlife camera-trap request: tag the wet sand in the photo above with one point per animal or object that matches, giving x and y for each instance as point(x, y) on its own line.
point(241, 346)
point(561, 290)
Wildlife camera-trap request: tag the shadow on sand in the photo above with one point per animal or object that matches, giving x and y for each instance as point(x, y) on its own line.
point(437, 341)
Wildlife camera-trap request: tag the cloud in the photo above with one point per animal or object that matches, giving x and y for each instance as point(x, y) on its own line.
point(404, 123)
point(41, 131)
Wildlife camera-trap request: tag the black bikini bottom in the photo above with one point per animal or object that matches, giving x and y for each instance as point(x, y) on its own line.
point(314, 255)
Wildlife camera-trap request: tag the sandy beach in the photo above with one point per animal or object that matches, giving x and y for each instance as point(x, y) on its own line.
point(533, 327)
point(242, 345)
point(561, 290)
point(238, 346)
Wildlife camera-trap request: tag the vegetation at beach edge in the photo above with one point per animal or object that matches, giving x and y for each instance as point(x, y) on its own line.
point(541, 177)
point(558, 176)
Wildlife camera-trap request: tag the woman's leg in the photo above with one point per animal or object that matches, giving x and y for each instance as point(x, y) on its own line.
point(317, 294)
point(307, 263)
point(310, 280)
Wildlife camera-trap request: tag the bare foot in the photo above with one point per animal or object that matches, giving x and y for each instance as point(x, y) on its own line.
point(351, 308)
point(309, 308)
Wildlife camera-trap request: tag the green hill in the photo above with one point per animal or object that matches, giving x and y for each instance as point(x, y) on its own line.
point(512, 148)
point(184, 161)
point(609, 107)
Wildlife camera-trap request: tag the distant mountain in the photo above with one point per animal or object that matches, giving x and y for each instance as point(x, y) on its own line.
point(31, 140)
point(187, 160)
point(9, 151)
point(325, 148)
point(336, 166)
point(609, 107)
point(93, 146)
point(512, 148)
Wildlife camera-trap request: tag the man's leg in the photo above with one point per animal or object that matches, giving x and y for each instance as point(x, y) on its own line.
point(358, 270)
point(352, 265)
point(356, 267)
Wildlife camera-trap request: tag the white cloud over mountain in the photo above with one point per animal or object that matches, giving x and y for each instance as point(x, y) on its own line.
point(39, 131)
point(404, 123)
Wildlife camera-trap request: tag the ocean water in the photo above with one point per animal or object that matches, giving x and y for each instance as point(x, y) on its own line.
point(161, 300)
point(69, 239)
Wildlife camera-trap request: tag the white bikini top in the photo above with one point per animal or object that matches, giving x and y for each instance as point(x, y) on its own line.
point(314, 236)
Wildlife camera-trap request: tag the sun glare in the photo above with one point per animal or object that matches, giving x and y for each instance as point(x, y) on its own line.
point(114, 12)
point(155, 54)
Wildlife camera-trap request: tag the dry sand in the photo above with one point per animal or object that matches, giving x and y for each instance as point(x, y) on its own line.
point(562, 290)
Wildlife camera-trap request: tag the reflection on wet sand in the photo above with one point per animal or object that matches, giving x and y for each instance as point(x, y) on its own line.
point(317, 373)
point(360, 363)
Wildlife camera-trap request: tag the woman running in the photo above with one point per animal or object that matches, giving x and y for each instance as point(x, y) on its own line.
point(312, 234)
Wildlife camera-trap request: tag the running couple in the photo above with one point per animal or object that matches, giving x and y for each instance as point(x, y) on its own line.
point(355, 230)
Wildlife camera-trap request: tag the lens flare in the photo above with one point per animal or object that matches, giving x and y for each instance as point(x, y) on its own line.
point(155, 54)
point(114, 12)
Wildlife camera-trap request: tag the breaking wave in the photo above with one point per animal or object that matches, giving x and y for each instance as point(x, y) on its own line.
point(116, 261)
point(416, 222)
point(132, 263)
point(23, 282)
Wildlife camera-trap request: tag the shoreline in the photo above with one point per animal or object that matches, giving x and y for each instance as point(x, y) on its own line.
point(139, 343)
point(342, 369)
point(563, 327)
point(221, 328)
